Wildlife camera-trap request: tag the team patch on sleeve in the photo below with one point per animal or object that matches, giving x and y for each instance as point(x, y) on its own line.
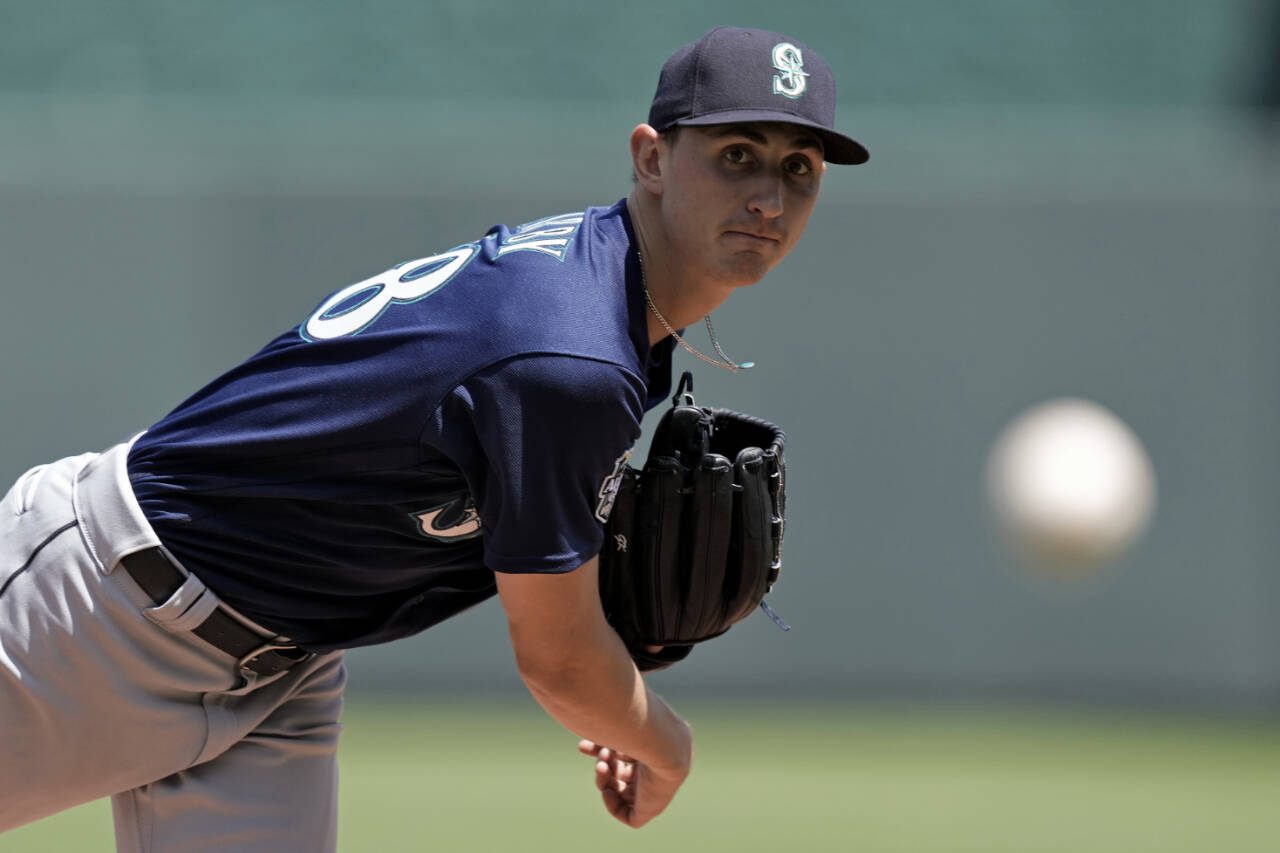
point(609, 488)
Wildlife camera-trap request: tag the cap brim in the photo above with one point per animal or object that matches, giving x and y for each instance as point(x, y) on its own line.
point(836, 147)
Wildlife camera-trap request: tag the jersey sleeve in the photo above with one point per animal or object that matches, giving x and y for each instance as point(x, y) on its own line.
point(538, 437)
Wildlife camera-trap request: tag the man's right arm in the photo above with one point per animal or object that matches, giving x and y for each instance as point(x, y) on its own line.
point(578, 669)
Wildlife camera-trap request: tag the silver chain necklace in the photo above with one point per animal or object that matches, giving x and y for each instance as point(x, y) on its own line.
point(727, 364)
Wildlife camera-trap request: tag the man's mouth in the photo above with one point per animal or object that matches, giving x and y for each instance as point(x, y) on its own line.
point(755, 235)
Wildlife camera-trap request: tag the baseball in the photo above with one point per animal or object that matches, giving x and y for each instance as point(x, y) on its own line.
point(1070, 485)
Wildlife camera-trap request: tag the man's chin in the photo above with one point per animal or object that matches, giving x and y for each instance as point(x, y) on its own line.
point(747, 269)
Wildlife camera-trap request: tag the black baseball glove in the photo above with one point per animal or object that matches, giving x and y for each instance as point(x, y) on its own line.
point(694, 541)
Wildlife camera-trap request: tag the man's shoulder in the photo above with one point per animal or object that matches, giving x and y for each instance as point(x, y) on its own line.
point(562, 285)
point(564, 237)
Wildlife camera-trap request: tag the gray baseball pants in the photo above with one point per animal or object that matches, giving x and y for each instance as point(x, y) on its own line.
point(104, 693)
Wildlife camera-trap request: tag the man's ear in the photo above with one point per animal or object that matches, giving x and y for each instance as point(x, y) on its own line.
point(646, 158)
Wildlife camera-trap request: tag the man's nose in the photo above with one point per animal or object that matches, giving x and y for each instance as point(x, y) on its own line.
point(766, 200)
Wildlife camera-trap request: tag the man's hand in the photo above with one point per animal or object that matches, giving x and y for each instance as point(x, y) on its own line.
point(633, 792)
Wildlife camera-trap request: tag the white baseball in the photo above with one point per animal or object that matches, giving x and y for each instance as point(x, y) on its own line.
point(1070, 484)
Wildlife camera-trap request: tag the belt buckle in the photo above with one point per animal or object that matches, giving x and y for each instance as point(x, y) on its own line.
point(246, 663)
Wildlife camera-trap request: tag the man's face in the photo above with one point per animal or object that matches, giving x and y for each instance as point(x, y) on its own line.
point(736, 198)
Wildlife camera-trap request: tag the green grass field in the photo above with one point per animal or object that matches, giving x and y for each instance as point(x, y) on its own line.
point(800, 779)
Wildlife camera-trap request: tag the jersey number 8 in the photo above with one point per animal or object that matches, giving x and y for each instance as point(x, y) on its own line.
point(352, 309)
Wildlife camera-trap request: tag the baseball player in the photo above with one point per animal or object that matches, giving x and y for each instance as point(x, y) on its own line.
point(174, 610)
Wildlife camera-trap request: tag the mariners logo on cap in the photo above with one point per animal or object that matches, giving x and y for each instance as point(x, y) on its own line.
point(790, 79)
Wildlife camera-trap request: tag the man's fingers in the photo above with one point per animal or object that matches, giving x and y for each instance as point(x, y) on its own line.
point(614, 805)
point(620, 806)
point(615, 776)
point(589, 747)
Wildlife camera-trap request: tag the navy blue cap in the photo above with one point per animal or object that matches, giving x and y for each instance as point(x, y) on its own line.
point(735, 75)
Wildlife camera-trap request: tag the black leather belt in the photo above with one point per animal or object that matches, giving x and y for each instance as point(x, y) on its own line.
point(160, 579)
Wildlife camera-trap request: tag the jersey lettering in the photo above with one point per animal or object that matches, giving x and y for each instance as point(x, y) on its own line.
point(352, 309)
point(550, 236)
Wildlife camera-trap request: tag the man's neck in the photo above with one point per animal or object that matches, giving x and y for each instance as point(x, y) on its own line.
point(680, 296)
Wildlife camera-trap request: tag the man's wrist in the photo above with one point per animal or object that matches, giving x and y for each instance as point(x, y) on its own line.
point(676, 753)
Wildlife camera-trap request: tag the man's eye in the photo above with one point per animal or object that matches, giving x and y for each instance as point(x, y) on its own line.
point(736, 156)
point(799, 167)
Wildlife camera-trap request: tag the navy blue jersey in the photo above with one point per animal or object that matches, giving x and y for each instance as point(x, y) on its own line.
point(362, 476)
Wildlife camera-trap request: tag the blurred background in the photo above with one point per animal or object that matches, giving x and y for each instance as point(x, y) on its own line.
point(1064, 198)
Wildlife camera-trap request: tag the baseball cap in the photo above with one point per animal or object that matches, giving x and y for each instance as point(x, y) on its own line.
point(735, 75)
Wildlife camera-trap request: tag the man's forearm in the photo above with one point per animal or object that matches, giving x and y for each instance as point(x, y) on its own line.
point(600, 695)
